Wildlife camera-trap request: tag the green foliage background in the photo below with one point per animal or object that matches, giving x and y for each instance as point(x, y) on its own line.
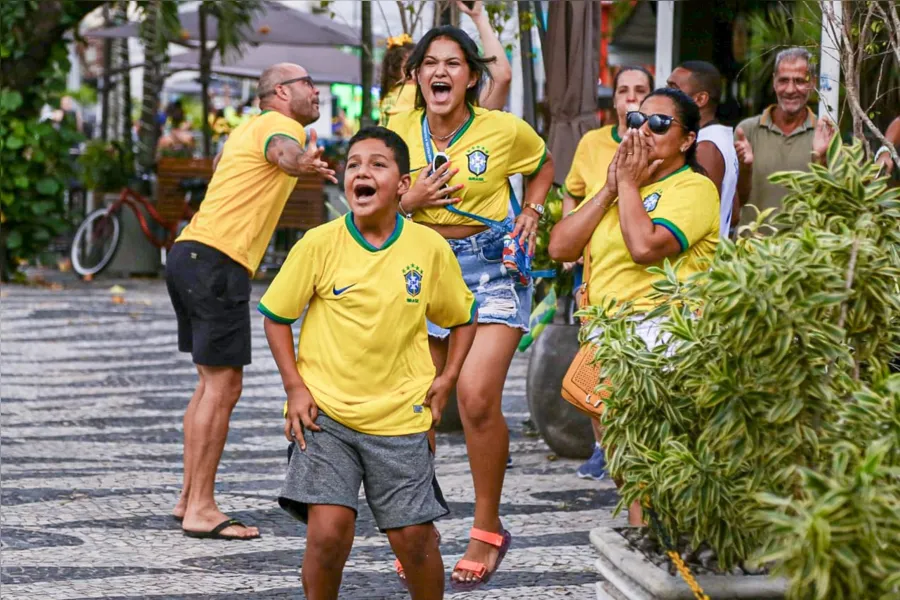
point(34, 160)
point(768, 425)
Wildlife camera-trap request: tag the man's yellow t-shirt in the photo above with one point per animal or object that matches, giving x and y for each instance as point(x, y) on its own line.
point(363, 350)
point(687, 205)
point(593, 155)
point(247, 193)
point(488, 148)
point(401, 98)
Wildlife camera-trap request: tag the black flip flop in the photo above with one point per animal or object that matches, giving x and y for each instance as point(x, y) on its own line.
point(179, 519)
point(216, 533)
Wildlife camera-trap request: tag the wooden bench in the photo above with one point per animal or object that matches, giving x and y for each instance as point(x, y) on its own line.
point(170, 172)
point(305, 208)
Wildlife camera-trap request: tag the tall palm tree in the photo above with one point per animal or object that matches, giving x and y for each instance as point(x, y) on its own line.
point(160, 19)
point(160, 25)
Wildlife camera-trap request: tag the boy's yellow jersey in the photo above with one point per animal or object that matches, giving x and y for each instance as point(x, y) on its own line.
point(363, 349)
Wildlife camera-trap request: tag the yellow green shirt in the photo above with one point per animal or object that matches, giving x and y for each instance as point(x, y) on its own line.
point(592, 157)
point(685, 203)
point(401, 98)
point(490, 146)
point(247, 193)
point(363, 349)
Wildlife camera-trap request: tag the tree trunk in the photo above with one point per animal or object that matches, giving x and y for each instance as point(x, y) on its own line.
point(205, 61)
point(365, 118)
point(525, 48)
point(154, 56)
point(121, 17)
point(106, 89)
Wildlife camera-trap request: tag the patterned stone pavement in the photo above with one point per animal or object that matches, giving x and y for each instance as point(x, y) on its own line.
point(92, 397)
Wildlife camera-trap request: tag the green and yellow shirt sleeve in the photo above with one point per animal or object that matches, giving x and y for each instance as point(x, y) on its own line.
point(575, 184)
point(450, 303)
point(528, 151)
point(293, 287)
point(688, 207)
point(274, 123)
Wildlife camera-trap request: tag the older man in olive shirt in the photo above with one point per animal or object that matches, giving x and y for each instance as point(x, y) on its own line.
point(785, 137)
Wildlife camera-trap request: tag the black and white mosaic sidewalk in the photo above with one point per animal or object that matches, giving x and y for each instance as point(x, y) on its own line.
point(91, 400)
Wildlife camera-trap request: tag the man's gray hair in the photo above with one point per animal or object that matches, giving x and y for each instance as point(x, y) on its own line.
point(792, 54)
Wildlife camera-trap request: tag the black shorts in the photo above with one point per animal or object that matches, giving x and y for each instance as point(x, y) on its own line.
point(211, 296)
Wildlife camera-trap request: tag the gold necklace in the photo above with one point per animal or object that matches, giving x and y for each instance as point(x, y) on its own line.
point(445, 137)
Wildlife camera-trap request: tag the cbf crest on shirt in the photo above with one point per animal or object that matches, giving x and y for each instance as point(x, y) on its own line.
point(651, 200)
point(412, 274)
point(478, 161)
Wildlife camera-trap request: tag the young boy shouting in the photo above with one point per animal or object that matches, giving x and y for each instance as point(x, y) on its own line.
point(362, 391)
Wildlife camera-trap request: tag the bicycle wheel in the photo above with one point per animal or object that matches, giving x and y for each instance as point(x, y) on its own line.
point(95, 243)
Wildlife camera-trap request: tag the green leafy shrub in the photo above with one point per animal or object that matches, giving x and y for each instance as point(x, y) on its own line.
point(763, 400)
point(552, 215)
point(105, 166)
point(34, 154)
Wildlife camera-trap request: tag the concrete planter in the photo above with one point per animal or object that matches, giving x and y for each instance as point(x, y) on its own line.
point(630, 575)
point(563, 427)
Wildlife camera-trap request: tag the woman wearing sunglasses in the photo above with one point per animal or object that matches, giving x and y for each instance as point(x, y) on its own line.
point(592, 158)
point(655, 204)
point(467, 202)
point(398, 92)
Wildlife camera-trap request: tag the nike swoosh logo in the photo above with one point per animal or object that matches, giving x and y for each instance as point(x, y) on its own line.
point(338, 292)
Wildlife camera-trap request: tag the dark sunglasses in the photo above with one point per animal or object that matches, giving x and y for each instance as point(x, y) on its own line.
point(659, 124)
point(307, 79)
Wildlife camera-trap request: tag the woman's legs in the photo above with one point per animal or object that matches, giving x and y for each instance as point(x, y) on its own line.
point(438, 349)
point(479, 392)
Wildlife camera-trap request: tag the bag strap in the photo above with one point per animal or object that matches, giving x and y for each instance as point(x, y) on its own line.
point(586, 275)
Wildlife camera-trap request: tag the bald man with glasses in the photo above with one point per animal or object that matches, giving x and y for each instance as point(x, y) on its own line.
point(208, 274)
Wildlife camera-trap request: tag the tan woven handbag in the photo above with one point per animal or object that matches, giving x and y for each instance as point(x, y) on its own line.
point(583, 375)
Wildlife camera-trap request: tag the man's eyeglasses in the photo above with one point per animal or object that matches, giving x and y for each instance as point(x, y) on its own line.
point(658, 124)
point(307, 79)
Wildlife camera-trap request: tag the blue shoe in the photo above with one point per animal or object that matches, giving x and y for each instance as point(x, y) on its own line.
point(509, 462)
point(595, 467)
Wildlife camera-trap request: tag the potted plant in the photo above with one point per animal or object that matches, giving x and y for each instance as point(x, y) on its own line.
point(106, 166)
point(765, 435)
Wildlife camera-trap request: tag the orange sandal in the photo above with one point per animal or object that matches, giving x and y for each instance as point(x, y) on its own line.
point(398, 568)
point(501, 540)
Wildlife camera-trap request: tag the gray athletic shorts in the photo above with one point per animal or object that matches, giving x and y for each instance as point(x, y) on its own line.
point(397, 472)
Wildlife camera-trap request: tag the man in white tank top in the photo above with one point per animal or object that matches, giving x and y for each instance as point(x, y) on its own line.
point(715, 143)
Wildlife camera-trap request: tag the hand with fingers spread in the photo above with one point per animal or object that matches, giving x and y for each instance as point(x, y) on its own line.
point(633, 166)
point(431, 190)
point(742, 147)
point(310, 160)
point(822, 139)
point(302, 413)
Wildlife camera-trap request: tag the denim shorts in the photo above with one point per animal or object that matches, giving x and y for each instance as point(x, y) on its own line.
point(500, 298)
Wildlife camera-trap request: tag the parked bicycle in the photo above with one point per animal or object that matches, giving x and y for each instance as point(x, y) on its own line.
point(99, 235)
